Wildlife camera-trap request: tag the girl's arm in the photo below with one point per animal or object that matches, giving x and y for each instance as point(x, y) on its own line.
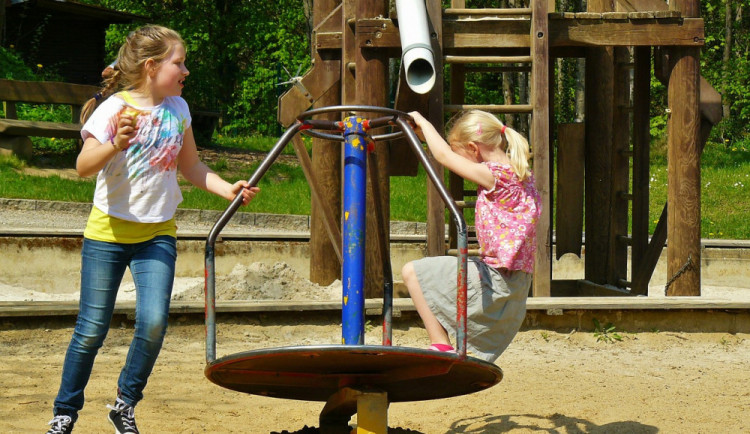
point(200, 175)
point(461, 166)
point(95, 155)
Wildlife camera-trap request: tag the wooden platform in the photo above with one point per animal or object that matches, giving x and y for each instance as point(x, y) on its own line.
point(634, 314)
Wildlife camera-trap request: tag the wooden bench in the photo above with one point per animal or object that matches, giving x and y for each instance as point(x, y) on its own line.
point(15, 133)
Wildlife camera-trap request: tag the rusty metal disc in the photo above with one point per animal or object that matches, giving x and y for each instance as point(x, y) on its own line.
point(314, 373)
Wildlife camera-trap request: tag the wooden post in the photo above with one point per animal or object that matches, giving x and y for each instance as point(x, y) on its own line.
point(540, 145)
point(569, 203)
point(641, 175)
point(371, 69)
point(599, 114)
point(617, 266)
point(326, 168)
point(435, 205)
point(683, 199)
point(456, 183)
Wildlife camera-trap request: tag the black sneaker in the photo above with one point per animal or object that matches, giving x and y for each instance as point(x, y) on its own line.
point(122, 417)
point(61, 425)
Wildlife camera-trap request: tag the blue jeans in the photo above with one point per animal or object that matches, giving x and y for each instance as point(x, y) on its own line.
point(152, 265)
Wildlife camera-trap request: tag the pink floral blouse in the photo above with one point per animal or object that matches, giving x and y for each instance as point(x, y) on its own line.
point(506, 219)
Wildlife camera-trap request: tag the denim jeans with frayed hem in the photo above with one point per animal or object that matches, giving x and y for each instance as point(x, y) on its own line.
point(152, 265)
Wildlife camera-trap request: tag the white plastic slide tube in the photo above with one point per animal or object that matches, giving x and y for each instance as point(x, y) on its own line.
point(416, 49)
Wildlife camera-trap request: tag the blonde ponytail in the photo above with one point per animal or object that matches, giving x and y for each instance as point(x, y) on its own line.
point(110, 86)
point(517, 150)
point(483, 127)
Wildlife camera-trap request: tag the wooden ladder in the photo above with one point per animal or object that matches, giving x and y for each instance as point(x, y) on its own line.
point(537, 63)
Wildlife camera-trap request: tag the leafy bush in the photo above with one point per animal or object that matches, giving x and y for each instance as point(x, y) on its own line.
point(12, 66)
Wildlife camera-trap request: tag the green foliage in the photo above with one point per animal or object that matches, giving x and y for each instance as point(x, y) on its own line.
point(731, 75)
point(606, 333)
point(12, 66)
point(236, 50)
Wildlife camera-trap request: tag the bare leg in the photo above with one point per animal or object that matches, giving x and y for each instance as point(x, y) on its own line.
point(435, 330)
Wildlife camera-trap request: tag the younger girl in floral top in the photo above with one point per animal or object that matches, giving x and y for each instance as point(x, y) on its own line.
point(482, 150)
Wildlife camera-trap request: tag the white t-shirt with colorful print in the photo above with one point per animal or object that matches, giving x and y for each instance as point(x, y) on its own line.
point(506, 218)
point(140, 183)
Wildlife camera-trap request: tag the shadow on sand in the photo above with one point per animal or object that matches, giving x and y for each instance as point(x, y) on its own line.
point(556, 423)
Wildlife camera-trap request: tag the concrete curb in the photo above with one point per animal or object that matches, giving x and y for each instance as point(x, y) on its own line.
point(269, 222)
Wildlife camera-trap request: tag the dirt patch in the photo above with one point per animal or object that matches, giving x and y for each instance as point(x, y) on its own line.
point(260, 281)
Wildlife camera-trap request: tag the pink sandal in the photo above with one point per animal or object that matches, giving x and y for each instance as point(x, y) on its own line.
point(443, 348)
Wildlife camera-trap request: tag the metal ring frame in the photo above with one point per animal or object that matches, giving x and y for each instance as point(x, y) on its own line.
point(318, 124)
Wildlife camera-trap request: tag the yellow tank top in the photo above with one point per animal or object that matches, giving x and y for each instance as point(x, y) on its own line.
point(103, 227)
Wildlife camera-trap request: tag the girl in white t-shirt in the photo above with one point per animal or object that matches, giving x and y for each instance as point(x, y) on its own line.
point(135, 140)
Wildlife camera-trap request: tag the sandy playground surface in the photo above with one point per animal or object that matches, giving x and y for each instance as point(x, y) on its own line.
point(554, 382)
point(563, 381)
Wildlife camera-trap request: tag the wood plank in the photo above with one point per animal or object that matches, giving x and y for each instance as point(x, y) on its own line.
point(622, 34)
point(540, 140)
point(456, 182)
point(370, 87)
point(325, 209)
point(330, 219)
point(46, 92)
point(435, 113)
point(63, 130)
point(599, 112)
point(641, 164)
point(9, 309)
point(617, 268)
point(482, 34)
point(488, 11)
point(461, 35)
point(403, 161)
point(627, 303)
point(492, 108)
point(643, 5)
point(569, 201)
point(642, 275)
point(320, 79)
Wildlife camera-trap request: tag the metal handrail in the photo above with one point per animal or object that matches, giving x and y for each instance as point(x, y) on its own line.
point(308, 126)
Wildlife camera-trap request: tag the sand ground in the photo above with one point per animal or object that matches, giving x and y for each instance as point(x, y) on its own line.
point(555, 382)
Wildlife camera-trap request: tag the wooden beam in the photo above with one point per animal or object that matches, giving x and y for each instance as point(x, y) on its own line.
point(569, 201)
point(456, 182)
point(316, 82)
point(540, 134)
point(617, 266)
point(688, 32)
point(46, 92)
point(435, 205)
point(371, 69)
point(599, 142)
point(330, 220)
point(641, 164)
point(325, 209)
point(683, 197)
point(462, 35)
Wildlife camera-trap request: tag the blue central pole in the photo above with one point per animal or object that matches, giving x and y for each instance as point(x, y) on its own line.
point(353, 254)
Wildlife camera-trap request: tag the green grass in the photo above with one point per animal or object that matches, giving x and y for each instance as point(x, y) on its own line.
point(725, 180)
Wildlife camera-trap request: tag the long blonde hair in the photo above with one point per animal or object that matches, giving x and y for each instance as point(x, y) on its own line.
point(481, 127)
point(147, 42)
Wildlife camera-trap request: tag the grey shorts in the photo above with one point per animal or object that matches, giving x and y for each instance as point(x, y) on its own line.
point(496, 301)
